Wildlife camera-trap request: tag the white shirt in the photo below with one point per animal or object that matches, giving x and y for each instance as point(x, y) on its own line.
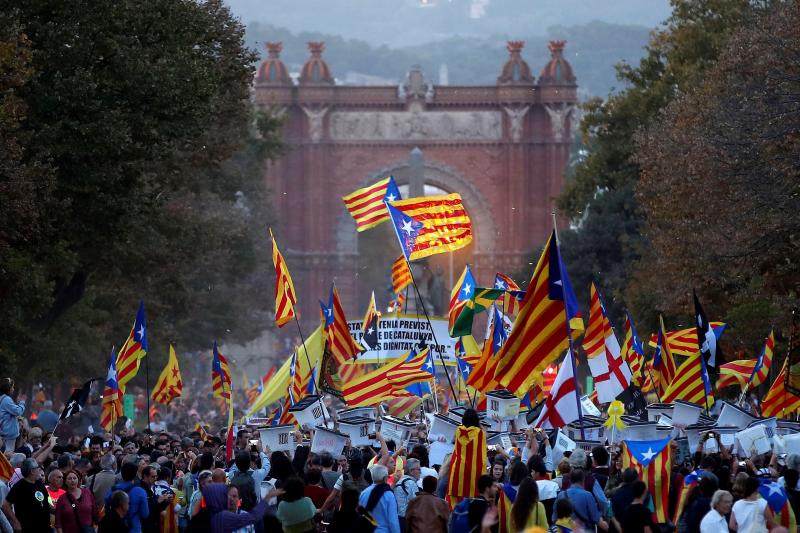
point(750, 515)
point(713, 522)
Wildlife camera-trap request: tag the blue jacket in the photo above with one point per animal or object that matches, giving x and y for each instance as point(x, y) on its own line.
point(584, 506)
point(9, 411)
point(384, 513)
point(139, 509)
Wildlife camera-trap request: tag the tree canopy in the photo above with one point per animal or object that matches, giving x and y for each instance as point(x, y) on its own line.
point(134, 166)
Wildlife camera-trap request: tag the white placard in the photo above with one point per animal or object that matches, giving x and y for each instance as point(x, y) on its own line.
point(278, 439)
point(438, 451)
point(562, 444)
point(358, 429)
point(392, 433)
point(685, 414)
point(588, 407)
point(399, 334)
point(753, 438)
point(506, 441)
point(327, 440)
point(791, 443)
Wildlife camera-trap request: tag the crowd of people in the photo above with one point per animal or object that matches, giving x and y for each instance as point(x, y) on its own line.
point(168, 481)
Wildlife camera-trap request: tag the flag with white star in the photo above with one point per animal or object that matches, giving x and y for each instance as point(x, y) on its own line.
point(133, 350)
point(462, 305)
point(706, 338)
point(367, 206)
point(418, 367)
point(430, 225)
point(76, 402)
point(652, 459)
point(369, 326)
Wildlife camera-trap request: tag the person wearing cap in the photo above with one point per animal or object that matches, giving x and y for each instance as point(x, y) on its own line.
point(28, 498)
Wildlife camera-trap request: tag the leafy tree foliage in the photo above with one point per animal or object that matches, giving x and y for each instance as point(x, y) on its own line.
point(142, 172)
point(607, 218)
point(721, 182)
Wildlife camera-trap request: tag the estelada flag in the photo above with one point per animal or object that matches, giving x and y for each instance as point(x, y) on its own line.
point(690, 383)
point(367, 206)
point(285, 298)
point(663, 365)
point(748, 373)
point(133, 350)
point(369, 325)
point(430, 225)
point(633, 351)
point(512, 299)
point(780, 402)
point(467, 464)
point(540, 332)
point(169, 385)
point(373, 387)
point(652, 460)
point(684, 341)
point(111, 405)
point(220, 375)
point(169, 520)
point(341, 344)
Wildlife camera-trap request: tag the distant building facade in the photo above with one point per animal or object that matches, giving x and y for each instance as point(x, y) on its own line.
point(503, 147)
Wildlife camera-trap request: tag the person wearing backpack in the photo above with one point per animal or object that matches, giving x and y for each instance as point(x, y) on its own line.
point(138, 509)
point(467, 516)
point(9, 411)
point(378, 502)
point(406, 488)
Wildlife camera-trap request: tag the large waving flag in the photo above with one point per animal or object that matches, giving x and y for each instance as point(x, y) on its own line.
point(220, 375)
point(367, 206)
point(76, 401)
point(111, 406)
point(663, 366)
point(430, 225)
point(684, 341)
point(764, 362)
point(169, 385)
point(779, 401)
point(633, 351)
point(512, 299)
point(341, 344)
point(467, 463)
point(653, 461)
point(611, 373)
point(461, 305)
point(482, 377)
point(540, 332)
point(778, 500)
point(561, 405)
point(691, 383)
point(401, 274)
point(373, 387)
point(706, 338)
point(133, 350)
point(285, 298)
point(417, 368)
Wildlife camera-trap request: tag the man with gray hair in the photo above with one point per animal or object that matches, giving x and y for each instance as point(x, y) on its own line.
point(100, 483)
point(378, 499)
point(406, 488)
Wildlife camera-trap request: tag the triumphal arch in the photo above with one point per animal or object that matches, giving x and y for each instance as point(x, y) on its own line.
point(503, 147)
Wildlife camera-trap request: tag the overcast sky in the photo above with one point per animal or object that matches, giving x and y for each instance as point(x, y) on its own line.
point(409, 22)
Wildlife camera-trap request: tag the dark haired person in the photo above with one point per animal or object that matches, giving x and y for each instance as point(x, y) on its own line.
point(427, 513)
point(115, 520)
point(138, 510)
point(527, 510)
point(296, 511)
point(637, 518)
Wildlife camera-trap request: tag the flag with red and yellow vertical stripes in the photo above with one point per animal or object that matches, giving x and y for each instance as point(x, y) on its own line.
point(779, 401)
point(285, 298)
point(540, 332)
point(467, 463)
point(652, 460)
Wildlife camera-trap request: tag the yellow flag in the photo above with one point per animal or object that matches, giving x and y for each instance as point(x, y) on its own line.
point(169, 385)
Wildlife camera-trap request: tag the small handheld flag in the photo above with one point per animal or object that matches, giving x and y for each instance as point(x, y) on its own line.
point(111, 406)
point(220, 375)
point(169, 385)
point(285, 298)
point(133, 350)
point(77, 400)
point(461, 305)
point(369, 326)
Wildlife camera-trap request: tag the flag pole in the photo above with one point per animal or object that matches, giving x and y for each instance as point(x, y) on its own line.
point(147, 387)
point(569, 329)
point(305, 350)
point(422, 304)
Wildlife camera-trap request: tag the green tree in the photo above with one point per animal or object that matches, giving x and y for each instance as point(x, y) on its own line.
point(721, 184)
point(599, 198)
point(141, 109)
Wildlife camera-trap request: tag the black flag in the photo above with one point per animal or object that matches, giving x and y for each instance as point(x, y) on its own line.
point(706, 339)
point(370, 325)
point(76, 401)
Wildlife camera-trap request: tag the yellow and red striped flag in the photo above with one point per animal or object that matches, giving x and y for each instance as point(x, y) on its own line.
point(6, 470)
point(748, 373)
point(778, 401)
point(169, 520)
point(431, 225)
point(401, 274)
point(373, 387)
point(169, 385)
point(341, 344)
point(220, 375)
point(285, 298)
point(467, 464)
point(684, 341)
point(201, 430)
point(367, 206)
point(633, 351)
point(512, 299)
point(111, 405)
point(133, 350)
point(481, 378)
point(689, 384)
point(403, 405)
point(652, 460)
point(416, 370)
point(662, 368)
point(540, 331)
